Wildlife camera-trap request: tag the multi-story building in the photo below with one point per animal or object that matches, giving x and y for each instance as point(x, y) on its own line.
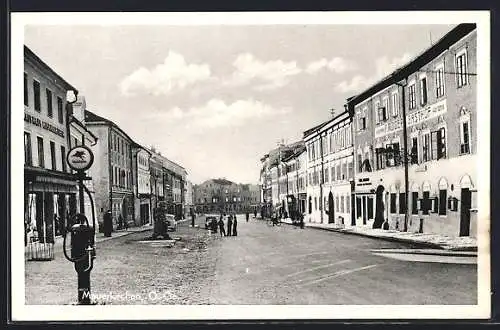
point(330, 170)
point(437, 92)
point(51, 194)
point(113, 170)
point(142, 184)
point(188, 193)
point(221, 195)
point(156, 173)
point(295, 182)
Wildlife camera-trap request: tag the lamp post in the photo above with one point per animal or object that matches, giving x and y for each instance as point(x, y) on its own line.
point(403, 84)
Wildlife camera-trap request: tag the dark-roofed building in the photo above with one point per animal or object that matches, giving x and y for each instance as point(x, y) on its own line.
point(437, 91)
point(113, 171)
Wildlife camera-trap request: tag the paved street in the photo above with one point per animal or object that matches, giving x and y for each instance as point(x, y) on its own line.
point(262, 265)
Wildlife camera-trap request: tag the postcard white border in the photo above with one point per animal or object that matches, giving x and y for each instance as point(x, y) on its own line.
point(22, 312)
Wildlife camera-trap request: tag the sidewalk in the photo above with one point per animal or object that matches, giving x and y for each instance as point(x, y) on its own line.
point(433, 241)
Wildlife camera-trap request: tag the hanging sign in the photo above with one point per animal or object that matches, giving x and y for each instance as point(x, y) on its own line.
point(80, 158)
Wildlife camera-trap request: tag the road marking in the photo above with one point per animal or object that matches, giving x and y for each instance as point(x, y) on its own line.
point(319, 267)
point(337, 274)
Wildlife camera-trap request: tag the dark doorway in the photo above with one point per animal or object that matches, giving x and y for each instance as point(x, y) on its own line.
point(465, 204)
point(370, 207)
point(364, 211)
point(379, 207)
point(310, 205)
point(353, 215)
point(331, 209)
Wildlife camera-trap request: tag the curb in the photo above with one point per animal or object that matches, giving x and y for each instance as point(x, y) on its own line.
point(399, 240)
point(126, 233)
point(443, 253)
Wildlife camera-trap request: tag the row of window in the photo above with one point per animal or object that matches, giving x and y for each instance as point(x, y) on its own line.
point(336, 140)
point(382, 108)
point(338, 172)
point(121, 178)
point(28, 153)
point(430, 146)
point(48, 99)
point(341, 204)
point(439, 204)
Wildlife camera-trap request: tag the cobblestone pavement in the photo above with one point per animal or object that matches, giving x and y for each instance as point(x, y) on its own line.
point(127, 271)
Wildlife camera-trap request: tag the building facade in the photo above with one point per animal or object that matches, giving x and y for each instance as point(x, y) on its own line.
point(330, 171)
point(142, 185)
point(437, 92)
point(223, 196)
point(114, 178)
point(50, 198)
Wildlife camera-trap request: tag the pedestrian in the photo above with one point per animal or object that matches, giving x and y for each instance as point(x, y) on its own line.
point(120, 221)
point(301, 220)
point(255, 213)
point(247, 216)
point(235, 224)
point(221, 227)
point(107, 224)
point(192, 218)
point(125, 224)
point(229, 225)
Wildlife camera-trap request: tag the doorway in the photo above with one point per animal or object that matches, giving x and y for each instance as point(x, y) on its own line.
point(379, 207)
point(465, 204)
point(331, 210)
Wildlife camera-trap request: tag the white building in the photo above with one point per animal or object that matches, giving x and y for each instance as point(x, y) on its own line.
point(142, 185)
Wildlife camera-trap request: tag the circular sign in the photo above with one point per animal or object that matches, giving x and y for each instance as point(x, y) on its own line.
point(80, 158)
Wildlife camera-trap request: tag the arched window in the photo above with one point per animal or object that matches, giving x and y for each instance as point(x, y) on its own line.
point(466, 182)
point(443, 190)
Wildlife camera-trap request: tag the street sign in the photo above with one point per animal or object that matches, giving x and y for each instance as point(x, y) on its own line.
point(80, 158)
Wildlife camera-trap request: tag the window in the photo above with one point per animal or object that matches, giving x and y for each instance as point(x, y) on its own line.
point(362, 123)
point(412, 101)
point(392, 155)
point(395, 104)
point(423, 90)
point(426, 150)
point(48, 94)
point(414, 199)
point(337, 204)
point(393, 202)
point(316, 203)
point(377, 112)
point(464, 138)
point(344, 171)
point(342, 202)
point(326, 175)
point(360, 163)
point(60, 113)
point(426, 203)
point(333, 172)
point(414, 150)
point(382, 113)
point(350, 170)
point(26, 93)
point(380, 158)
point(27, 149)
point(41, 154)
point(53, 155)
point(438, 144)
point(442, 202)
point(36, 92)
point(439, 81)
point(402, 203)
point(461, 66)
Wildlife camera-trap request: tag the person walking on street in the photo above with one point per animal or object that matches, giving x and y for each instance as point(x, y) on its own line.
point(107, 224)
point(221, 227)
point(247, 216)
point(235, 224)
point(120, 221)
point(229, 225)
point(301, 216)
point(255, 213)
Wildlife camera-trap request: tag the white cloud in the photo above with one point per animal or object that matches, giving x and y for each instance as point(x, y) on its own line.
point(173, 74)
point(336, 64)
point(383, 67)
point(216, 113)
point(270, 75)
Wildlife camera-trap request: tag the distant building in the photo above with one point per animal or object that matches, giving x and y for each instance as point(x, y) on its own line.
point(142, 184)
point(221, 195)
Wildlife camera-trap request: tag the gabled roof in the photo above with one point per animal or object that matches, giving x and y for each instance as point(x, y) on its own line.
point(91, 117)
point(414, 65)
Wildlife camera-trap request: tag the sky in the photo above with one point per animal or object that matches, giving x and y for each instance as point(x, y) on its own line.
point(216, 98)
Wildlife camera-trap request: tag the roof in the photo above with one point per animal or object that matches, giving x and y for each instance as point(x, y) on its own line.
point(414, 65)
point(91, 117)
point(75, 120)
point(28, 53)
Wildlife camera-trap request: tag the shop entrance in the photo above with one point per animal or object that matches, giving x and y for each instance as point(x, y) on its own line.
point(331, 210)
point(465, 204)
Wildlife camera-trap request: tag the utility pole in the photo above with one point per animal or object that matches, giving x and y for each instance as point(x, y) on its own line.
point(402, 84)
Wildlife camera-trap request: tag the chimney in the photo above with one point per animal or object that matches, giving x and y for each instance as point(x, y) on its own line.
point(79, 108)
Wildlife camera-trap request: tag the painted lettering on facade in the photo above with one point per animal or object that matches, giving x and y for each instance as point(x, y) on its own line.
point(413, 118)
point(43, 124)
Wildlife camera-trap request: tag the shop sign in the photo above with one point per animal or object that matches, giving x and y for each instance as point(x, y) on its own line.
point(80, 158)
point(43, 124)
point(412, 118)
